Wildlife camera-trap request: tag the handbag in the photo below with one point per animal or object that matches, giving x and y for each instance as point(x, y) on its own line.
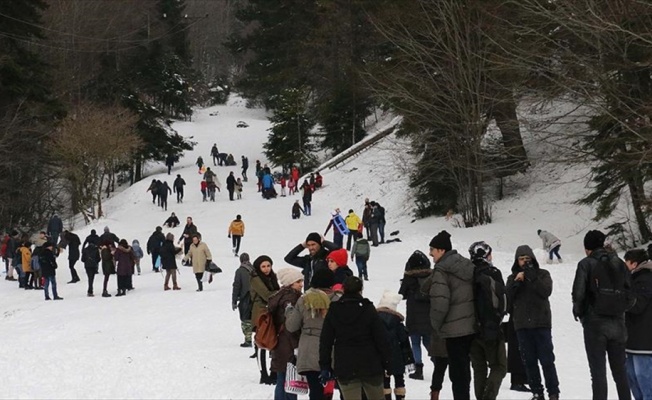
point(295, 383)
point(265, 335)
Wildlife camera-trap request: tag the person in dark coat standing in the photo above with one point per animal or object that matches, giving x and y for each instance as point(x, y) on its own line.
point(263, 284)
point(164, 191)
point(366, 218)
point(92, 238)
point(245, 167)
point(188, 230)
point(215, 154)
point(241, 298)
point(307, 198)
point(71, 242)
point(374, 222)
point(91, 259)
point(417, 322)
point(154, 244)
point(125, 261)
point(108, 265)
point(361, 346)
point(177, 187)
point(528, 289)
point(401, 353)
point(603, 334)
point(291, 283)
point(55, 227)
point(639, 320)
point(230, 185)
point(168, 253)
point(318, 249)
point(109, 236)
point(49, 270)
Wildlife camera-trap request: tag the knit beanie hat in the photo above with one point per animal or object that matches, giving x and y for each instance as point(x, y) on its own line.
point(538, 232)
point(287, 276)
point(417, 260)
point(390, 300)
point(340, 257)
point(594, 240)
point(479, 250)
point(313, 237)
point(442, 241)
point(322, 278)
point(260, 260)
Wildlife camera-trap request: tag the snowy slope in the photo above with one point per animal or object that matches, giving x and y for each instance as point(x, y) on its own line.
point(156, 344)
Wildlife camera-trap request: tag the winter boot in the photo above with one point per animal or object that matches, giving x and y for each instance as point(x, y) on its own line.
point(106, 294)
point(434, 395)
point(538, 396)
point(418, 372)
point(388, 393)
point(554, 396)
point(200, 286)
point(166, 287)
point(175, 287)
point(519, 387)
point(560, 261)
point(399, 393)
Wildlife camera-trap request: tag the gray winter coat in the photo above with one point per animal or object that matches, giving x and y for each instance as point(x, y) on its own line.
point(549, 240)
point(452, 311)
point(241, 286)
point(310, 323)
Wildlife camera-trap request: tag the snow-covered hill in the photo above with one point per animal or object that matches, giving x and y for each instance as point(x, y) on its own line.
point(156, 344)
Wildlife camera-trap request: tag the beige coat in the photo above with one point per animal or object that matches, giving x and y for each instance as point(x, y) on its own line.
point(199, 254)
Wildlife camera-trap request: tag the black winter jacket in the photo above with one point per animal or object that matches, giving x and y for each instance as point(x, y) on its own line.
point(639, 317)
point(307, 263)
point(417, 318)
point(353, 326)
point(401, 352)
point(155, 242)
point(48, 263)
point(528, 299)
point(92, 238)
point(91, 257)
point(168, 253)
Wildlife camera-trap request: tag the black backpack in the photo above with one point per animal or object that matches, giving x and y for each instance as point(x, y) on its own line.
point(490, 301)
point(608, 287)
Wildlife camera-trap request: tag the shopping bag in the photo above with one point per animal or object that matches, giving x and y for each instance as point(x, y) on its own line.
point(295, 383)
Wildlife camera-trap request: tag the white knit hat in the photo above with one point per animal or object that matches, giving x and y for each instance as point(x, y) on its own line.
point(287, 276)
point(390, 300)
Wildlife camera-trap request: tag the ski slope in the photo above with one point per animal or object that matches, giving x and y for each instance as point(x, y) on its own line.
point(156, 344)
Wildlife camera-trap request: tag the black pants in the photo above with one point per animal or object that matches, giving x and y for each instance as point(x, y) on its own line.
point(536, 347)
point(169, 168)
point(90, 273)
point(244, 174)
point(459, 361)
point(216, 159)
point(123, 282)
point(179, 195)
point(606, 337)
point(352, 236)
point(199, 276)
point(438, 374)
point(164, 203)
point(231, 194)
point(73, 272)
point(316, 389)
point(235, 239)
point(106, 283)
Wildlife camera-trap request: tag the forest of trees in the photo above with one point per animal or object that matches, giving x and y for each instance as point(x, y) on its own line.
point(452, 69)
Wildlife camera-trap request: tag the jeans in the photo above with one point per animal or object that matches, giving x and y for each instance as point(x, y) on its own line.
point(555, 251)
point(50, 280)
point(489, 362)
point(415, 340)
point(235, 239)
point(639, 371)
point(279, 391)
point(306, 207)
point(606, 337)
point(459, 365)
point(338, 238)
point(362, 267)
point(536, 347)
point(316, 389)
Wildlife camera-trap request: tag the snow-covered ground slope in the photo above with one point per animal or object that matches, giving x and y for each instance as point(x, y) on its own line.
point(156, 344)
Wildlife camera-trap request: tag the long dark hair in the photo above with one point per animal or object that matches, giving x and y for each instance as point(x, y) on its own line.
point(270, 281)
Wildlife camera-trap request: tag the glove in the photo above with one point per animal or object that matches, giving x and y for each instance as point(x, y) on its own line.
point(530, 273)
point(229, 236)
point(234, 306)
point(324, 376)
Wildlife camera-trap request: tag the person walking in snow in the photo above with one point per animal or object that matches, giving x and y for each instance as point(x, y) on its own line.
point(71, 242)
point(199, 256)
point(169, 162)
point(154, 244)
point(296, 210)
point(230, 185)
point(361, 251)
point(177, 187)
point(245, 167)
point(48, 264)
point(108, 265)
point(238, 189)
point(168, 253)
point(215, 153)
point(55, 227)
point(188, 230)
point(318, 250)
point(528, 290)
point(339, 228)
point(417, 270)
point(91, 259)
point(602, 314)
point(366, 218)
point(307, 197)
point(400, 351)
point(236, 233)
point(639, 320)
point(199, 163)
point(92, 238)
point(212, 183)
point(164, 190)
point(138, 253)
point(452, 310)
point(551, 244)
point(172, 221)
point(109, 236)
point(124, 261)
point(153, 188)
point(204, 189)
point(307, 317)
point(263, 284)
point(241, 298)
point(353, 223)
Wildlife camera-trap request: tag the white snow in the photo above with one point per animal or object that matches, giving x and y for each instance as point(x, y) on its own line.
point(156, 344)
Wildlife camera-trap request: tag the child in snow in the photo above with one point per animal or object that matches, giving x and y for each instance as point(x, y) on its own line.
point(296, 210)
point(336, 260)
point(361, 250)
point(291, 186)
point(238, 188)
point(401, 352)
point(200, 162)
point(138, 253)
point(283, 183)
point(204, 187)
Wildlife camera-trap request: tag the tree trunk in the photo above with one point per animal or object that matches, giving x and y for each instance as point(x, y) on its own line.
point(635, 185)
point(507, 121)
point(138, 170)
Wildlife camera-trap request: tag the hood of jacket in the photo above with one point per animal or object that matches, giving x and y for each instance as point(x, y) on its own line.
point(454, 264)
point(524, 250)
point(418, 273)
point(247, 265)
point(643, 266)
